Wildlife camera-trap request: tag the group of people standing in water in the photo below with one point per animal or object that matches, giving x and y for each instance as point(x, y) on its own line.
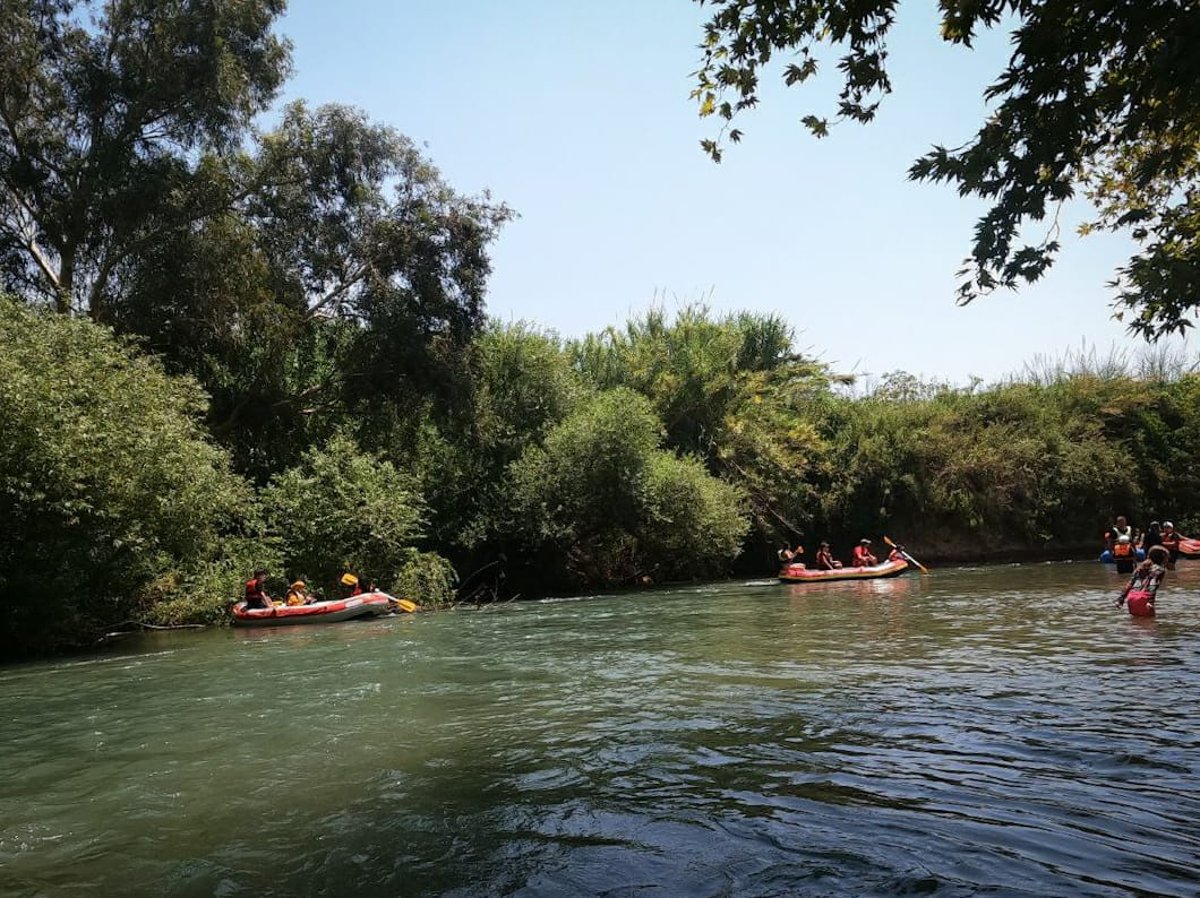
point(1160, 545)
point(1123, 541)
point(824, 560)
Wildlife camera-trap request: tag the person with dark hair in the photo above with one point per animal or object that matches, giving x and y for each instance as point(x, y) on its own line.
point(1142, 589)
point(790, 556)
point(1151, 538)
point(256, 590)
point(825, 559)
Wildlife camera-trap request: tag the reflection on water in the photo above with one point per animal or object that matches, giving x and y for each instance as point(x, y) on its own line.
point(979, 731)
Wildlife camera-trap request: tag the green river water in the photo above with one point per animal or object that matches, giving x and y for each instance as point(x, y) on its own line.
point(998, 731)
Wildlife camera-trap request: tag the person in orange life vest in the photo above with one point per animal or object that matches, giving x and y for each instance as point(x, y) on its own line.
point(256, 591)
point(1124, 554)
point(1142, 589)
point(1170, 542)
point(1115, 532)
point(863, 556)
point(825, 559)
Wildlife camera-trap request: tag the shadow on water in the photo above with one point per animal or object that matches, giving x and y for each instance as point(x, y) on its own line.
point(980, 731)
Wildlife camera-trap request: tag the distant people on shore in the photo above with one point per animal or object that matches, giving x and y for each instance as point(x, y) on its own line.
point(1142, 590)
point(862, 556)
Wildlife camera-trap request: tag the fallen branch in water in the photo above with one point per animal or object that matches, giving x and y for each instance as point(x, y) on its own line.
point(142, 625)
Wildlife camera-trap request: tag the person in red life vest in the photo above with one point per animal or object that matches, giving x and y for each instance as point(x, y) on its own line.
point(863, 556)
point(1170, 542)
point(897, 554)
point(825, 559)
point(256, 591)
point(353, 587)
point(1142, 588)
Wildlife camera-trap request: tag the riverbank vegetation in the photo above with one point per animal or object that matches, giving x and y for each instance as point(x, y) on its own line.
point(671, 449)
point(223, 350)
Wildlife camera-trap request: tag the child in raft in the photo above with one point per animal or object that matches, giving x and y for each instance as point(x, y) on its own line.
point(1143, 585)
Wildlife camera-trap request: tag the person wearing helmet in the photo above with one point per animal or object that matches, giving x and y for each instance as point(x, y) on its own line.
point(862, 556)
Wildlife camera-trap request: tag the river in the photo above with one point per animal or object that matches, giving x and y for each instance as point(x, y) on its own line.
point(998, 730)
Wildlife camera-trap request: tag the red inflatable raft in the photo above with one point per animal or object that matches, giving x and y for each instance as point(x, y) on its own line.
point(795, 573)
point(1189, 548)
point(369, 604)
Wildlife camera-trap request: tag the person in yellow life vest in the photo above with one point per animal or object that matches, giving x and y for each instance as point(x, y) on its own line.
point(298, 594)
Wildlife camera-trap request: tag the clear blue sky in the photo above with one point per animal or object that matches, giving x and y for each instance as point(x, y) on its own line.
point(577, 115)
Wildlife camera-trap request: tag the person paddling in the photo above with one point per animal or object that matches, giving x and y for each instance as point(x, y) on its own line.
point(791, 556)
point(1142, 588)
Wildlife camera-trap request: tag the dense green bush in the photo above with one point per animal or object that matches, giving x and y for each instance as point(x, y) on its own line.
point(614, 508)
point(732, 392)
point(108, 484)
point(344, 510)
point(693, 524)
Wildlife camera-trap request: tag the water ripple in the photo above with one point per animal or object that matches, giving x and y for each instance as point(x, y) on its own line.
point(990, 731)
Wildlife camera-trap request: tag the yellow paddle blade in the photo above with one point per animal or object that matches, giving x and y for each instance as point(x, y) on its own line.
point(406, 605)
